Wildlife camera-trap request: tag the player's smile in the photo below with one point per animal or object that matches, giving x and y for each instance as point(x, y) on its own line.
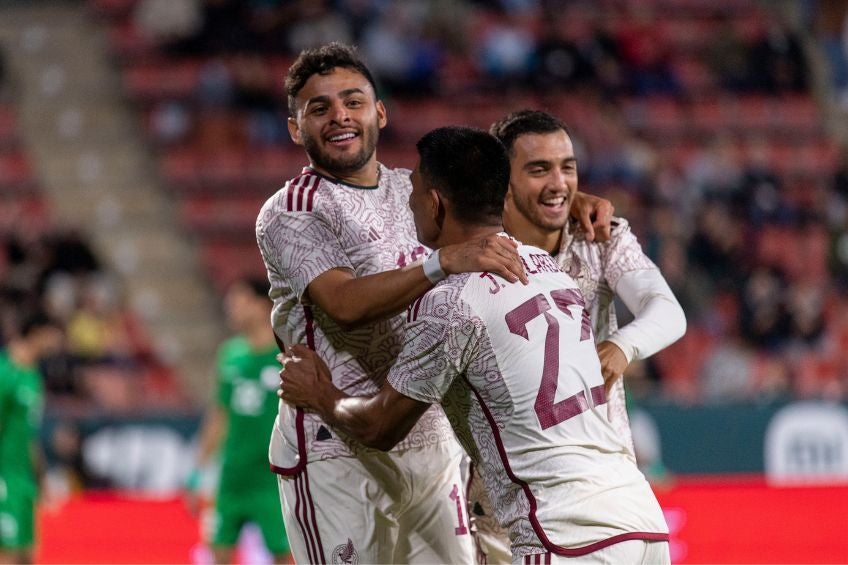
point(342, 138)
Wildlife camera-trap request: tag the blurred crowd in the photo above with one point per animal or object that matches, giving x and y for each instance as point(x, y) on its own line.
point(747, 223)
point(107, 364)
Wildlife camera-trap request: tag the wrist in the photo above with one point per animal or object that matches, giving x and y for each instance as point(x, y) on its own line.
point(433, 269)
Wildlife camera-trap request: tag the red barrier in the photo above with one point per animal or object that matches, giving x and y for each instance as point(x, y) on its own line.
point(743, 520)
point(713, 520)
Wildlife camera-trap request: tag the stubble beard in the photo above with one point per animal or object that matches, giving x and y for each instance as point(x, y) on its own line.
point(532, 212)
point(343, 165)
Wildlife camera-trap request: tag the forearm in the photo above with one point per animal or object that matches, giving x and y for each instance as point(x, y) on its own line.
point(658, 321)
point(362, 300)
point(361, 418)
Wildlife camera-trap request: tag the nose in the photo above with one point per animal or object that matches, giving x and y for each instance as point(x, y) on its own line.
point(339, 113)
point(558, 179)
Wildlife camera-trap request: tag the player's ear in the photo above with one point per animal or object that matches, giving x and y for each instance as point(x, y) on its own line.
point(437, 207)
point(294, 131)
point(382, 117)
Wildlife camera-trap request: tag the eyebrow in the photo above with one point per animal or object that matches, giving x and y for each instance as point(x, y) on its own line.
point(547, 163)
point(343, 94)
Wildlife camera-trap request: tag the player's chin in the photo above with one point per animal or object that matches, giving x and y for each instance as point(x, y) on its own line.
point(551, 221)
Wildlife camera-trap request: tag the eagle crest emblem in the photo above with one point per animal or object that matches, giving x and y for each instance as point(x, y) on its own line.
point(345, 554)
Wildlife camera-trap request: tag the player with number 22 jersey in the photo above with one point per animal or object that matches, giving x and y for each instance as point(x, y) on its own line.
point(516, 371)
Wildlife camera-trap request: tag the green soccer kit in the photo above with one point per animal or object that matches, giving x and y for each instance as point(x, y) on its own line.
point(21, 402)
point(247, 392)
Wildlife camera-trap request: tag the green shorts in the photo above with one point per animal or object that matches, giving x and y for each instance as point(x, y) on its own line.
point(17, 520)
point(233, 511)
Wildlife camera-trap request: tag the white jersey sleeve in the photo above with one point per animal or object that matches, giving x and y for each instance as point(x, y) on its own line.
point(658, 320)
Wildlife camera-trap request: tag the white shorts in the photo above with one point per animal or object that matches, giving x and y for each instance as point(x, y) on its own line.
point(398, 507)
point(632, 552)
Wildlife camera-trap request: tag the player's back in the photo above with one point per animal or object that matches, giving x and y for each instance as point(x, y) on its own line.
point(557, 473)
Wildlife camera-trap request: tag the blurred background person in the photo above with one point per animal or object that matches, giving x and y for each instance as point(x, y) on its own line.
point(238, 424)
point(21, 405)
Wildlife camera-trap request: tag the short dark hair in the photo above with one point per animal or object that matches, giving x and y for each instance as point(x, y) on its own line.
point(470, 167)
point(259, 286)
point(35, 320)
point(523, 122)
point(322, 60)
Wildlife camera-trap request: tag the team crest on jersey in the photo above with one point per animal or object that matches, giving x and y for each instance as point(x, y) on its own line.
point(345, 553)
point(577, 269)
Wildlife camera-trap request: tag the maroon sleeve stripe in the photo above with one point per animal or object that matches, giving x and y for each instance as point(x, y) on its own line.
point(300, 193)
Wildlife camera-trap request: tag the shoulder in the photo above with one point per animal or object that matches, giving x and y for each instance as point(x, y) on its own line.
point(442, 302)
point(397, 179)
point(301, 194)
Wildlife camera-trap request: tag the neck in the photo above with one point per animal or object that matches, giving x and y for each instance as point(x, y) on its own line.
point(527, 232)
point(454, 232)
point(22, 354)
point(367, 175)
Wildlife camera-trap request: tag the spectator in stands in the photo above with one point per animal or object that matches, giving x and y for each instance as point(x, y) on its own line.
point(776, 61)
point(727, 55)
point(645, 53)
point(573, 51)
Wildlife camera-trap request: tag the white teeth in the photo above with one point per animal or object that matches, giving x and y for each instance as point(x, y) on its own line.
point(554, 201)
point(342, 137)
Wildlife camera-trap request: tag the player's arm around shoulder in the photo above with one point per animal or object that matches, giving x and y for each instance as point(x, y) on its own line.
point(378, 421)
point(353, 301)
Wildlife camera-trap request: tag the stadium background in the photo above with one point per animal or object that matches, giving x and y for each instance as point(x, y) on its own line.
point(138, 139)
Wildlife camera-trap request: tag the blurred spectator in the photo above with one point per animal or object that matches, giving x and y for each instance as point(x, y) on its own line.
point(831, 25)
point(167, 21)
point(254, 94)
point(727, 56)
point(316, 25)
point(777, 62)
point(573, 52)
point(398, 49)
point(506, 50)
point(645, 53)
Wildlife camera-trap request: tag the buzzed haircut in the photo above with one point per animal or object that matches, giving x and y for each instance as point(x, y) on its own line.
point(523, 122)
point(470, 168)
point(322, 60)
point(258, 286)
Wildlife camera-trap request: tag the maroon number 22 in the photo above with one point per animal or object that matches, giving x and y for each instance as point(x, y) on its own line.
point(551, 413)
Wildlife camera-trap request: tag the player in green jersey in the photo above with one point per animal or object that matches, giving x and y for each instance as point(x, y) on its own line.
point(21, 401)
point(239, 423)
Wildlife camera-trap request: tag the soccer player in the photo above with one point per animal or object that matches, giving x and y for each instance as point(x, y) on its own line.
point(516, 371)
point(244, 410)
point(543, 181)
point(21, 403)
point(339, 246)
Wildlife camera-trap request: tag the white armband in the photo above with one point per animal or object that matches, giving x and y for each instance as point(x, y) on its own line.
point(433, 268)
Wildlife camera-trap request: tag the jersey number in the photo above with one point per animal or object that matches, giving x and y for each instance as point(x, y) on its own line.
point(457, 498)
point(551, 413)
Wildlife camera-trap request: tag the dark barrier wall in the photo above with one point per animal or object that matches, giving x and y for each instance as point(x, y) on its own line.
point(800, 441)
point(803, 440)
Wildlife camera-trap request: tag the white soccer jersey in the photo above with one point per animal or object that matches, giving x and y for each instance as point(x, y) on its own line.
point(516, 370)
point(314, 224)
